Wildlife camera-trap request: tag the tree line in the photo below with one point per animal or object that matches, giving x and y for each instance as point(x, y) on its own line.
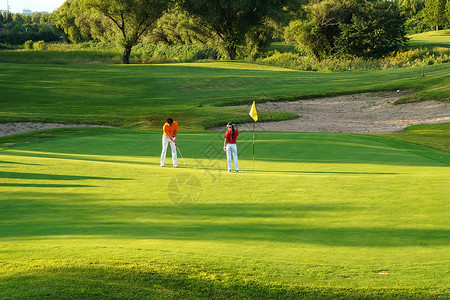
point(320, 28)
point(16, 29)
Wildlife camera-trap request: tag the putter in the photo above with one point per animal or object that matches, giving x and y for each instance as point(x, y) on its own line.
point(181, 155)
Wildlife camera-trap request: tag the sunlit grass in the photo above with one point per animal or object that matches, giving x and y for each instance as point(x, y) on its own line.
point(429, 39)
point(146, 95)
point(87, 213)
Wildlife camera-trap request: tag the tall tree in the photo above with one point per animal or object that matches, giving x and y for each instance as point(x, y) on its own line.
point(66, 18)
point(434, 12)
point(375, 30)
point(447, 12)
point(130, 18)
point(410, 7)
point(316, 35)
point(231, 20)
point(349, 27)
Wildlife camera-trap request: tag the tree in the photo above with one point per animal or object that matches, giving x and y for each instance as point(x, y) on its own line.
point(65, 18)
point(231, 20)
point(410, 7)
point(434, 12)
point(349, 27)
point(316, 35)
point(130, 19)
point(375, 30)
point(177, 27)
point(447, 11)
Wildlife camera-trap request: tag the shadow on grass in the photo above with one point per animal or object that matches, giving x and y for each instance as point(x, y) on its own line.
point(150, 282)
point(47, 214)
point(34, 185)
point(17, 163)
point(43, 176)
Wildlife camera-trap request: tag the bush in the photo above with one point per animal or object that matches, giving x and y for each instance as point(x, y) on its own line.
point(164, 53)
point(39, 45)
point(397, 59)
point(28, 45)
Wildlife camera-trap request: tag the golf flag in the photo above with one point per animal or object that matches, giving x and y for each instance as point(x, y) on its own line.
point(253, 113)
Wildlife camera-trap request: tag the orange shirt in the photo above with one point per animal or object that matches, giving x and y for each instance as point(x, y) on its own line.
point(167, 129)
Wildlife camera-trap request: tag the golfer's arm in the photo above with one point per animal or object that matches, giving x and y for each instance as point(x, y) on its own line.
point(175, 133)
point(170, 137)
point(224, 143)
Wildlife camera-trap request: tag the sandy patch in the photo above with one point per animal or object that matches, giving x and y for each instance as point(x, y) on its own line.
point(19, 127)
point(371, 113)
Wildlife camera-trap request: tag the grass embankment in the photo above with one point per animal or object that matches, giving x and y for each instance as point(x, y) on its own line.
point(431, 135)
point(431, 39)
point(145, 95)
point(88, 213)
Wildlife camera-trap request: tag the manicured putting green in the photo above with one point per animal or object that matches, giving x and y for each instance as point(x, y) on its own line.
point(320, 214)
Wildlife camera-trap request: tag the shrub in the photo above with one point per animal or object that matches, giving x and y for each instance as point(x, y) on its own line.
point(39, 45)
point(28, 45)
point(397, 59)
point(165, 53)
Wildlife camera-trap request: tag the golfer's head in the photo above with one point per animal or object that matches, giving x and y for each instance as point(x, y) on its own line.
point(230, 125)
point(169, 121)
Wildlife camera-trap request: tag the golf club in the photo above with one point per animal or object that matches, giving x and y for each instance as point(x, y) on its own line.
point(181, 155)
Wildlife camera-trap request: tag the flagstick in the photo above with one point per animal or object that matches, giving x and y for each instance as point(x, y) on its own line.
point(254, 145)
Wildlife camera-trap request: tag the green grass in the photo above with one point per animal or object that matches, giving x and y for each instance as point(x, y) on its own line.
point(145, 95)
point(431, 39)
point(431, 135)
point(61, 57)
point(88, 213)
point(282, 47)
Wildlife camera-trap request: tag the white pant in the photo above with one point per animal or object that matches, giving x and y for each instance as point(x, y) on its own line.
point(232, 150)
point(165, 141)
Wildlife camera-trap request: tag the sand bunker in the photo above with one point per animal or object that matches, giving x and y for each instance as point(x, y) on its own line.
point(371, 113)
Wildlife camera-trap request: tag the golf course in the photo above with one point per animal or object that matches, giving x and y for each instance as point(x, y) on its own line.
point(88, 213)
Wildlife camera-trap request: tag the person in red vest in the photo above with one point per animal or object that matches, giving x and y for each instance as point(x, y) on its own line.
point(229, 146)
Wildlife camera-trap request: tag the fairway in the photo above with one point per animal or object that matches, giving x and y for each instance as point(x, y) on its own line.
point(138, 95)
point(319, 215)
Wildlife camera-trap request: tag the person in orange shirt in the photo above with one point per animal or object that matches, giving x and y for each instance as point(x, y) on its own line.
point(170, 132)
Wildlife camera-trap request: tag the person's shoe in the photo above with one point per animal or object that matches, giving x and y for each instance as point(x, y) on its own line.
point(161, 165)
point(237, 171)
point(175, 166)
point(229, 171)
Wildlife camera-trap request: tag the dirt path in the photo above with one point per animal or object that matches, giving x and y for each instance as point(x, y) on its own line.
point(371, 113)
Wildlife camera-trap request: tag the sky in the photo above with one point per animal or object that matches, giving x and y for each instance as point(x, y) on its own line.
point(16, 6)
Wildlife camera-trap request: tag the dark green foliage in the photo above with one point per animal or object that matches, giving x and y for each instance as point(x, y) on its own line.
point(231, 20)
point(123, 22)
point(355, 28)
point(375, 30)
point(178, 53)
point(434, 13)
point(16, 29)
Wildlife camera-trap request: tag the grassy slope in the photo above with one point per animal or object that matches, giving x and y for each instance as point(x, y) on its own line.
point(439, 38)
point(118, 94)
point(431, 135)
point(88, 215)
